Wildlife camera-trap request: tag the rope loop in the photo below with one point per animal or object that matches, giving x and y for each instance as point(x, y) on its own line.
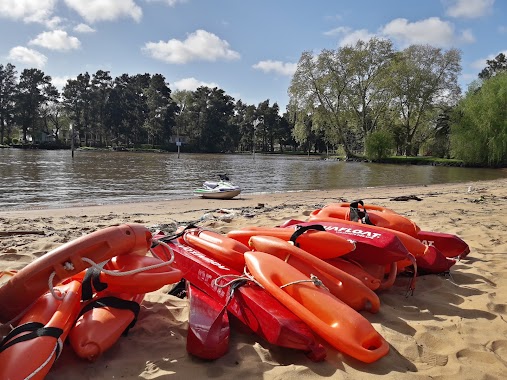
point(313, 279)
point(100, 267)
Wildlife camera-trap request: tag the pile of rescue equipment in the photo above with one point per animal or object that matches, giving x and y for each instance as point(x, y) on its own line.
point(288, 284)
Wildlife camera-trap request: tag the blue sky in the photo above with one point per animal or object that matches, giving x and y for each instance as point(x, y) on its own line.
point(248, 48)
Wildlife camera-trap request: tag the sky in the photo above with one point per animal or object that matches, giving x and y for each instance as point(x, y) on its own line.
point(248, 48)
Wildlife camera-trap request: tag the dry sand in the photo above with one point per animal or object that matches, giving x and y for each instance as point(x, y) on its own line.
point(451, 328)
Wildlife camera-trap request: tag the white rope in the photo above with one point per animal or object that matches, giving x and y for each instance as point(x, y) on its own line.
point(236, 278)
point(100, 266)
point(59, 343)
point(313, 279)
point(168, 247)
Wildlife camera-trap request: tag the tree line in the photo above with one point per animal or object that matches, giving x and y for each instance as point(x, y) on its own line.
point(367, 99)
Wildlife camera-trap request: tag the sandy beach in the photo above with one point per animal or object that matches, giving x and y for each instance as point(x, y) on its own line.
point(453, 327)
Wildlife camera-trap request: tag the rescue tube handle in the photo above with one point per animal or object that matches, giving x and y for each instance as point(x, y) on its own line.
point(300, 230)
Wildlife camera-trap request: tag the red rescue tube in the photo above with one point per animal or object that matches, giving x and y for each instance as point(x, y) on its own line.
point(208, 325)
point(65, 261)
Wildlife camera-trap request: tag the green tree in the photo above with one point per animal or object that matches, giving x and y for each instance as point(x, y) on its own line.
point(34, 90)
point(367, 95)
point(102, 84)
point(77, 101)
point(210, 125)
point(161, 109)
point(379, 145)
point(423, 78)
point(318, 90)
point(8, 90)
point(479, 124)
point(494, 66)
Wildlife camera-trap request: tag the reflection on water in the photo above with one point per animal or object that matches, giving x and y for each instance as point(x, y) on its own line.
point(33, 178)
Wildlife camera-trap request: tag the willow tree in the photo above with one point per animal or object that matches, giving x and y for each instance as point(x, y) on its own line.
point(479, 126)
point(367, 94)
point(423, 78)
point(318, 90)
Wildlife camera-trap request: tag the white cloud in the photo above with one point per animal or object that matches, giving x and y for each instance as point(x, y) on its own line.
point(467, 36)
point(60, 82)
point(282, 68)
point(56, 40)
point(191, 84)
point(105, 10)
point(341, 30)
point(171, 3)
point(200, 45)
point(27, 56)
point(431, 31)
point(27, 10)
point(481, 63)
point(83, 28)
point(351, 37)
point(468, 8)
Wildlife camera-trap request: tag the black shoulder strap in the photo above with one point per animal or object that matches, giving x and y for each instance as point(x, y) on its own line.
point(91, 280)
point(358, 215)
point(35, 329)
point(300, 230)
point(116, 303)
point(175, 236)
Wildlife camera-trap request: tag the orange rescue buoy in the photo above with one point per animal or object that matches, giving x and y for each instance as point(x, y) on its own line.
point(129, 274)
point(101, 323)
point(337, 323)
point(67, 260)
point(221, 247)
point(30, 350)
point(341, 284)
point(379, 216)
point(317, 242)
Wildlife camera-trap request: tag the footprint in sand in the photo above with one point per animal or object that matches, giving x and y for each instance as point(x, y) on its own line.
point(469, 356)
point(431, 358)
point(499, 347)
point(11, 255)
point(497, 308)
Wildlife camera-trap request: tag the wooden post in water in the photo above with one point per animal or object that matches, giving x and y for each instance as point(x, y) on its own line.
point(255, 124)
point(72, 140)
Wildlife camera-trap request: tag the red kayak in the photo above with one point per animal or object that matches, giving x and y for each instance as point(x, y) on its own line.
point(251, 304)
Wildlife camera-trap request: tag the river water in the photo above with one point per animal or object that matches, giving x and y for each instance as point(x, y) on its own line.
point(53, 179)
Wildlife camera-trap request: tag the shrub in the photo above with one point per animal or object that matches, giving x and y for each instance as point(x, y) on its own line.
point(379, 145)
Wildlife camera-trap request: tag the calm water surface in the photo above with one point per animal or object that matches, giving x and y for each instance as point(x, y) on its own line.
point(40, 178)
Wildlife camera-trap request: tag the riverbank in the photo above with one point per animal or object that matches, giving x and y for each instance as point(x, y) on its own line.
point(451, 328)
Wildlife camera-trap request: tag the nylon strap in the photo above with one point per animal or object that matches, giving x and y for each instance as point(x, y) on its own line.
point(37, 330)
point(175, 236)
point(91, 281)
point(300, 230)
point(116, 303)
point(357, 215)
